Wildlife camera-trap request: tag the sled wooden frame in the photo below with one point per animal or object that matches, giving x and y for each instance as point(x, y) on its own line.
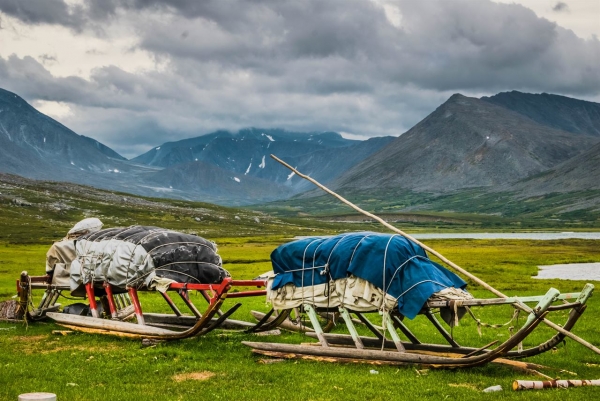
point(422, 354)
point(149, 325)
point(354, 348)
point(577, 308)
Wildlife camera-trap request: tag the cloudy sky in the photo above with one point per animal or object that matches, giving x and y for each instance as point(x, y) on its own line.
point(136, 73)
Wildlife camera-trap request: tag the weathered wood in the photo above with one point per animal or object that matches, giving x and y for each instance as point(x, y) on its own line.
point(312, 315)
point(480, 349)
point(519, 366)
point(202, 326)
point(372, 355)
point(440, 256)
point(9, 310)
point(289, 355)
point(165, 318)
point(107, 324)
point(286, 324)
point(100, 331)
point(500, 301)
point(266, 323)
point(430, 316)
point(538, 385)
point(408, 357)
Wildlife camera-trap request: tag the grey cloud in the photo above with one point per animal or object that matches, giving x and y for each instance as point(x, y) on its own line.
point(305, 65)
point(44, 12)
point(47, 59)
point(560, 7)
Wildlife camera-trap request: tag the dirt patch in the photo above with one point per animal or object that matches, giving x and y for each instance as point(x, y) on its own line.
point(50, 347)
point(193, 376)
point(83, 348)
point(31, 339)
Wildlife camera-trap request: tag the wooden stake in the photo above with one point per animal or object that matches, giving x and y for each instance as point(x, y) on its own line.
point(456, 267)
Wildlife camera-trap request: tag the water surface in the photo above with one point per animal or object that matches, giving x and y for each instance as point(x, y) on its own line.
point(571, 271)
point(530, 236)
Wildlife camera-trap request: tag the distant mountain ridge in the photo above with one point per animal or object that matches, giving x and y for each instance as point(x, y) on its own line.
point(559, 112)
point(36, 146)
point(246, 154)
point(465, 143)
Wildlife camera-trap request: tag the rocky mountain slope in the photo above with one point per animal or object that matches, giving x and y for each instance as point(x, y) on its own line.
point(246, 154)
point(581, 173)
point(560, 112)
point(34, 145)
point(466, 143)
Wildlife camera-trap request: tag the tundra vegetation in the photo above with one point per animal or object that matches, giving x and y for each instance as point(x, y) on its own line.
point(82, 366)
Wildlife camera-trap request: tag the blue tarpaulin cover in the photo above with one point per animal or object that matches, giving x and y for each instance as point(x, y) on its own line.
point(390, 262)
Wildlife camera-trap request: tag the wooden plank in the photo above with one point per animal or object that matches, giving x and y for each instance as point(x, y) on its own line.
point(286, 324)
point(501, 301)
point(358, 354)
point(106, 324)
point(165, 318)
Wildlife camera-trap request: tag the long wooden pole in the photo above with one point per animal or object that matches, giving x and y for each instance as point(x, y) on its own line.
point(439, 255)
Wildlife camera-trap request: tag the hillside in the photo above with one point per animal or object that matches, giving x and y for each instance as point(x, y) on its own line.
point(465, 143)
point(33, 211)
point(560, 112)
point(34, 145)
point(581, 173)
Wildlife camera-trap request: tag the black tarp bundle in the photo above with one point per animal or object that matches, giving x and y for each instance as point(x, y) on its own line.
point(134, 256)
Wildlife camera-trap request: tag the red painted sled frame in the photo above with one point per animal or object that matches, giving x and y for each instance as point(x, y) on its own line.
point(149, 325)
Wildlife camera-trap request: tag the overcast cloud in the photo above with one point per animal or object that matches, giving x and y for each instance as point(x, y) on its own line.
point(136, 73)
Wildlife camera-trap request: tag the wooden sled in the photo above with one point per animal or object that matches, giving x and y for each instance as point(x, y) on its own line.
point(110, 315)
point(393, 350)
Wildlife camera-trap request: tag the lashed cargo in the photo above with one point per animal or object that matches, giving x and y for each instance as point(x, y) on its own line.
point(359, 270)
point(143, 256)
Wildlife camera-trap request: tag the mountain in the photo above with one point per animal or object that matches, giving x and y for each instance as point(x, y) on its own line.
point(560, 112)
point(209, 183)
point(465, 143)
point(236, 151)
point(222, 167)
point(246, 154)
point(581, 173)
point(36, 146)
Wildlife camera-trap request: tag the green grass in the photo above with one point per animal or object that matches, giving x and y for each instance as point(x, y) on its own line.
point(83, 366)
point(93, 367)
point(472, 209)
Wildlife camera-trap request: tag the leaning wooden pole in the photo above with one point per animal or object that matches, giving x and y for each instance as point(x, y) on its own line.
point(439, 255)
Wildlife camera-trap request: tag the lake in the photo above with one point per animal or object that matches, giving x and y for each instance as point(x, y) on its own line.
point(571, 271)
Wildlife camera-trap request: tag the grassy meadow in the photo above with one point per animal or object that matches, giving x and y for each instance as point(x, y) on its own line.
point(81, 366)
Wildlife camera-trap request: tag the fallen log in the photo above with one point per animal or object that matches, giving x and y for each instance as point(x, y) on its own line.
point(519, 385)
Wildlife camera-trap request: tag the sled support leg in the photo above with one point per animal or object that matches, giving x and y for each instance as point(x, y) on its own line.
point(314, 320)
point(348, 320)
point(136, 305)
point(441, 328)
point(400, 325)
point(389, 325)
point(89, 290)
point(111, 300)
point(171, 304)
point(185, 296)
